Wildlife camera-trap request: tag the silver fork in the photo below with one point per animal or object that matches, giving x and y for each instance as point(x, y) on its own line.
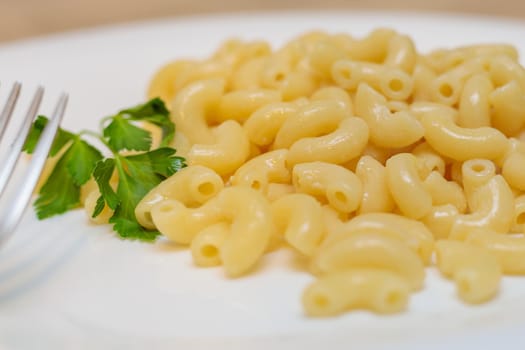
point(19, 198)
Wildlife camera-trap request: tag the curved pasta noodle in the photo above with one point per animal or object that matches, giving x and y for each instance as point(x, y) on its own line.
point(205, 247)
point(406, 187)
point(411, 232)
point(508, 249)
point(250, 231)
point(239, 105)
point(381, 291)
point(340, 146)
point(386, 129)
point(336, 94)
point(508, 108)
point(475, 173)
point(504, 69)
point(251, 228)
point(193, 186)
point(314, 119)
point(370, 250)
point(447, 87)
point(209, 69)
point(445, 192)
point(492, 208)
point(263, 125)
point(190, 109)
point(401, 53)
point(459, 143)
point(299, 218)
point(262, 170)
point(428, 160)
point(248, 75)
point(513, 170)
point(371, 48)
point(376, 195)
point(518, 224)
point(422, 75)
point(322, 57)
point(474, 104)
point(230, 150)
point(440, 220)
point(394, 83)
point(163, 82)
point(338, 185)
point(476, 272)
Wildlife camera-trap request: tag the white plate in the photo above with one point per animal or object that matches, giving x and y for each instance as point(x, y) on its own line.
point(67, 285)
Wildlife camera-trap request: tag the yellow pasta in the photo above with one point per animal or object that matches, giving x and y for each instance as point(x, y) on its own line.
point(299, 218)
point(339, 186)
point(368, 158)
point(411, 232)
point(371, 250)
point(376, 195)
point(193, 186)
point(408, 190)
point(389, 130)
point(508, 249)
point(378, 290)
point(206, 246)
point(477, 273)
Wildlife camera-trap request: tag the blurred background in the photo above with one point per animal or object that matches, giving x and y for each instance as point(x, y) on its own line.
point(28, 18)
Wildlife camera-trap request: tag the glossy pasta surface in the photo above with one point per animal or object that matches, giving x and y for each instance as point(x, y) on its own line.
point(371, 160)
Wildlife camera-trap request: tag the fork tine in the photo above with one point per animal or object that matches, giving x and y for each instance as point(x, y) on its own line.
point(7, 112)
point(13, 213)
point(16, 147)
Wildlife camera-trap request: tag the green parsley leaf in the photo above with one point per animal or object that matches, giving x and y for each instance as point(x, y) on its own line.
point(99, 206)
point(159, 161)
point(102, 174)
point(154, 112)
point(82, 160)
point(39, 124)
point(60, 193)
point(138, 174)
point(130, 229)
point(121, 134)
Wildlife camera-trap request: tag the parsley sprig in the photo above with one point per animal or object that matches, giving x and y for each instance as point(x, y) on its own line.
point(138, 173)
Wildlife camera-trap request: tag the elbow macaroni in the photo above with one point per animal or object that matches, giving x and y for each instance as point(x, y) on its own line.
point(367, 157)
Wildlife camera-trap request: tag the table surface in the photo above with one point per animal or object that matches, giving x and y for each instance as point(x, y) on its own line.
point(28, 18)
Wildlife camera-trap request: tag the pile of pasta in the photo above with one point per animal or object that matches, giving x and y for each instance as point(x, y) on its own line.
point(370, 159)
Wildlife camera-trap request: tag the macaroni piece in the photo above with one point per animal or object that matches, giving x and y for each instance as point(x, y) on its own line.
point(370, 159)
point(408, 191)
point(492, 207)
point(341, 187)
point(299, 218)
point(206, 246)
point(366, 249)
point(376, 196)
point(509, 249)
point(476, 272)
point(440, 220)
point(386, 129)
point(378, 290)
point(474, 104)
point(508, 103)
point(411, 232)
point(260, 171)
point(459, 143)
point(193, 186)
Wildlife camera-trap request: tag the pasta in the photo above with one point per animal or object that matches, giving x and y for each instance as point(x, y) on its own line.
point(364, 156)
